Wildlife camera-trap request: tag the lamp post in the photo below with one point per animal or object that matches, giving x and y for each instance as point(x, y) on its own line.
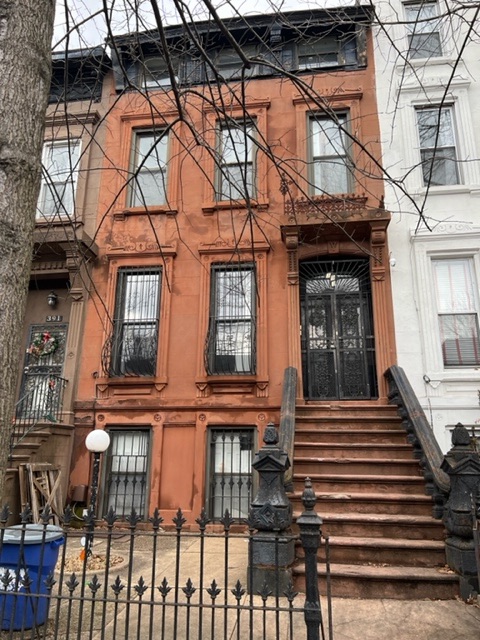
point(97, 442)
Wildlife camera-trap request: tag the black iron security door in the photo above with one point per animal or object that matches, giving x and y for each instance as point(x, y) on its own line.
point(338, 352)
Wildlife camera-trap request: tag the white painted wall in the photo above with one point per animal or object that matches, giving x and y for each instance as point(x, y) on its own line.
point(447, 394)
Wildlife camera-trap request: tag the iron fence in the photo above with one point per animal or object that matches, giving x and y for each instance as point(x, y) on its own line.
point(148, 580)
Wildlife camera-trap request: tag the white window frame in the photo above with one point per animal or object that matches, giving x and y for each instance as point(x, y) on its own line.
point(436, 153)
point(144, 166)
point(455, 310)
point(236, 160)
point(419, 24)
point(54, 187)
point(340, 158)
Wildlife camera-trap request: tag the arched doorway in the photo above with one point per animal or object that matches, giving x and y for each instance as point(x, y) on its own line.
point(338, 346)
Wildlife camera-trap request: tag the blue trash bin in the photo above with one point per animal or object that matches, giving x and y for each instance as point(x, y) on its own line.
point(28, 549)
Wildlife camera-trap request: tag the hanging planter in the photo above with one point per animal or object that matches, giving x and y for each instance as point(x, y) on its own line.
point(44, 345)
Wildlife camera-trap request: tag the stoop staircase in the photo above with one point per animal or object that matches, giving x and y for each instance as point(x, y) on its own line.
point(384, 542)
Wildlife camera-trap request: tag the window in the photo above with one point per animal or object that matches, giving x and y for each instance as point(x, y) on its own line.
point(60, 168)
point(423, 26)
point(326, 51)
point(126, 467)
point(230, 477)
point(457, 307)
point(149, 165)
point(136, 320)
point(231, 335)
point(229, 65)
point(235, 170)
point(437, 146)
point(329, 165)
point(155, 72)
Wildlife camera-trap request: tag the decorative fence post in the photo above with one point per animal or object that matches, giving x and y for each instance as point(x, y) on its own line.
point(462, 463)
point(309, 523)
point(273, 549)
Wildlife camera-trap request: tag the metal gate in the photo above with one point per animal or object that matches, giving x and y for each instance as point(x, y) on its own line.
point(338, 352)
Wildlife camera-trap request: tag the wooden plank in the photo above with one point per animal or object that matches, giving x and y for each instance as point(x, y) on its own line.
point(43, 487)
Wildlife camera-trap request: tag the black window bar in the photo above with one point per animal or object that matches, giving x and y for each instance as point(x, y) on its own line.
point(230, 476)
point(132, 348)
point(126, 472)
point(231, 339)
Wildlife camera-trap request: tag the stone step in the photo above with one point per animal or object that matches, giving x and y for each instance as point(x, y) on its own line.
point(357, 466)
point(392, 503)
point(349, 408)
point(382, 551)
point(401, 583)
point(372, 436)
point(381, 525)
point(353, 450)
point(366, 483)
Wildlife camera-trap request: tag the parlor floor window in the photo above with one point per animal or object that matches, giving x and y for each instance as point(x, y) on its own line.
point(457, 308)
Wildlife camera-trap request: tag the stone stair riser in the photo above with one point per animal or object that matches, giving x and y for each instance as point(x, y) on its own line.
point(352, 466)
point(335, 483)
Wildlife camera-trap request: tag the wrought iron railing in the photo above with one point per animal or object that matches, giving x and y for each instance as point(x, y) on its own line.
point(286, 429)
point(41, 402)
point(420, 435)
point(158, 580)
point(131, 354)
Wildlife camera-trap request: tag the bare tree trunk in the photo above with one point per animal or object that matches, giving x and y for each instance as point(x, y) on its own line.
point(25, 67)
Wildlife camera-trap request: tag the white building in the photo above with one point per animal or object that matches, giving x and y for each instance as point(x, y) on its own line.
point(428, 68)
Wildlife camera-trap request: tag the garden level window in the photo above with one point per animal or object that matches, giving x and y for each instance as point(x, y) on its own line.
point(231, 335)
point(230, 477)
point(437, 146)
point(457, 307)
point(126, 472)
point(136, 322)
point(149, 167)
point(423, 25)
point(235, 166)
point(330, 171)
point(60, 169)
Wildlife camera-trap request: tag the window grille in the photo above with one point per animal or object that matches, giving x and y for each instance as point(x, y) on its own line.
point(423, 24)
point(136, 322)
point(457, 305)
point(231, 336)
point(437, 146)
point(235, 168)
point(230, 477)
point(330, 171)
point(149, 166)
point(60, 168)
point(126, 472)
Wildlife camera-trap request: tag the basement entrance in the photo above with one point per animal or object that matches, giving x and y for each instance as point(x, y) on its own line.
point(338, 350)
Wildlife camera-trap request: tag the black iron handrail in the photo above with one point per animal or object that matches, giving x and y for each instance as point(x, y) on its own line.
point(287, 421)
point(41, 403)
point(421, 436)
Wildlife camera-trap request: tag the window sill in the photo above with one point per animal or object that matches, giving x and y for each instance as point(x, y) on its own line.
point(209, 208)
point(447, 189)
point(141, 211)
point(430, 61)
point(130, 386)
point(232, 384)
point(465, 374)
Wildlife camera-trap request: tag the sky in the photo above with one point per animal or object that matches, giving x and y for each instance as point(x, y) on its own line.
point(81, 23)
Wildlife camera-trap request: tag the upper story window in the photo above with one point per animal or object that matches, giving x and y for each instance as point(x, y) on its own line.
point(149, 165)
point(457, 308)
point(437, 146)
point(328, 50)
point(60, 170)
point(330, 170)
point(136, 322)
point(231, 333)
point(155, 72)
point(424, 34)
point(235, 166)
point(229, 65)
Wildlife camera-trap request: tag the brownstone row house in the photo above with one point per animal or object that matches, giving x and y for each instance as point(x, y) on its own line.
point(234, 228)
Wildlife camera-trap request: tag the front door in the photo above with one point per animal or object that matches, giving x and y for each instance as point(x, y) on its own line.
point(338, 354)
point(42, 386)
